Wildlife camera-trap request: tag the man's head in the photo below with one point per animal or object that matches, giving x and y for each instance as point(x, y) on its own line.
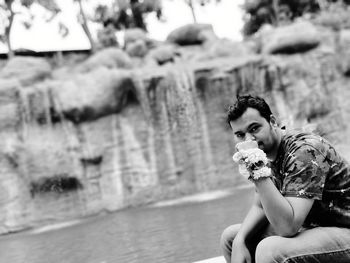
point(248, 101)
point(251, 119)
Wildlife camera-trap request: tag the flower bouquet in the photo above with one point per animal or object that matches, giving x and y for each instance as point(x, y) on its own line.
point(252, 161)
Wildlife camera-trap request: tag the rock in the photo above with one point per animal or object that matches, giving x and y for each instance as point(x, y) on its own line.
point(298, 37)
point(109, 58)
point(137, 48)
point(192, 52)
point(89, 96)
point(107, 38)
point(344, 43)
point(27, 70)
point(314, 106)
point(251, 5)
point(134, 34)
point(335, 17)
point(163, 54)
point(225, 48)
point(10, 116)
point(192, 34)
point(63, 73)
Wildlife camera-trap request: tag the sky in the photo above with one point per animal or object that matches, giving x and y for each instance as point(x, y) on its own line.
point(225, 17)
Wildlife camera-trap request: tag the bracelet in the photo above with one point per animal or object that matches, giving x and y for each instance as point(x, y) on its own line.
point(263, 172)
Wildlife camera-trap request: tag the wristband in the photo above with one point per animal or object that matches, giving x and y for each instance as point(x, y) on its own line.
point(263, 172)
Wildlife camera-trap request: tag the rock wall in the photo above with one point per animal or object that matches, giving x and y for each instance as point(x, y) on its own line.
point(77, 143)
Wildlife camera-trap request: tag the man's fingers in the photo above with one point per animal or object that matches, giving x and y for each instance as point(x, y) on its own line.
point(243, 171)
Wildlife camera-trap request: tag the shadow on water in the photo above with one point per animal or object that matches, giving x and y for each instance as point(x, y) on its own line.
point(177, 233)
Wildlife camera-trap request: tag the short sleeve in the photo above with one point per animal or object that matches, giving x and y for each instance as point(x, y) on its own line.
point(304, 173)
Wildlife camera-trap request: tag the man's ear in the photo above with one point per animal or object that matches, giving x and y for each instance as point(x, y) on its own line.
point(273, 120)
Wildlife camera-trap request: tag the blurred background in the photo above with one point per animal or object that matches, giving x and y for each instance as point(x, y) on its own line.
point(114, 145)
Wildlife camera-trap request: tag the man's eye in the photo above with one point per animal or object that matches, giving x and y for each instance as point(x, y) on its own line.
point(254, 129)
point(239, 135)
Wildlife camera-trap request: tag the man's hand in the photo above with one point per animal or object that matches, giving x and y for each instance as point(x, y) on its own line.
point(242, 168)
point(240, 252)
point(252, 161)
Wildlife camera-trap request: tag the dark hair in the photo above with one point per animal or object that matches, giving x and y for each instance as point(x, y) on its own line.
point(243, 102)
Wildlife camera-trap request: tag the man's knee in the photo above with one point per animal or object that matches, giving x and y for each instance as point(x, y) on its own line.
point(228, 235)
point(270, 250)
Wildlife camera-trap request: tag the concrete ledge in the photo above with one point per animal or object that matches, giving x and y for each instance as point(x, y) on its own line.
point(220, 259)
point(54, 226)
point(202, 197)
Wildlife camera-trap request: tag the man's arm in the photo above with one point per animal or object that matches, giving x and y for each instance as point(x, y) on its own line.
point(285, 214)
point(254, 221)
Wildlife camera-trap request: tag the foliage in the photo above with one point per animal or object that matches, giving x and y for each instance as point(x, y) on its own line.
point(276, 12)
point(106, 37)
point(191, 5)
point(336, 16)
point(49, 5)
point(82, 19)
point(7, 14)
point(332, 13)
point(61, 183)
point(127, 13)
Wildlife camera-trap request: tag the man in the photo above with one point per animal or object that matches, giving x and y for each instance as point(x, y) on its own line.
point(301, 209)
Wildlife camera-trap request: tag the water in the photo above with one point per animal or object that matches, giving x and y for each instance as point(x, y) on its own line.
point(180, 233)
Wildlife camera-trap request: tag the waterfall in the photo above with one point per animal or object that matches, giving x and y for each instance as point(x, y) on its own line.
point(82, 146)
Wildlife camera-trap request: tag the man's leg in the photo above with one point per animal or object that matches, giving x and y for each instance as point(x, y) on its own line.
point(320, 244)
point(227, 237)
point(230, 233)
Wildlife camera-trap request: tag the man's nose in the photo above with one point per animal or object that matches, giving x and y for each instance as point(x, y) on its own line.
point(249, 137)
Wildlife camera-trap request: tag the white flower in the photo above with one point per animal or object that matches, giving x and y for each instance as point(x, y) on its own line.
point(262, 172)
point(253, 156)
point(301, 192)
point(252, 162)
point(237, 157)
point(243, 171)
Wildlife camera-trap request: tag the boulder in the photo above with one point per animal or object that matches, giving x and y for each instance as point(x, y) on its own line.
point(192, 34)
point(90, 96)
point(137, 48)
point(27, 70)
point(226, 48)
point(163, 54)
point(107, 38)
point(109, 58)
point(335, 17)
point(134, 34)
point(298, 37)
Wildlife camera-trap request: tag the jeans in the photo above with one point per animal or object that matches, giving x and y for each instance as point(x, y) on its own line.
point(312, 245)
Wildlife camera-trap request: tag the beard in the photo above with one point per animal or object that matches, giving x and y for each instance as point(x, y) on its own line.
point(270, 144)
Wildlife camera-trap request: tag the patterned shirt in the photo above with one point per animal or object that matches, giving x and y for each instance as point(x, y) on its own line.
point(307, 166)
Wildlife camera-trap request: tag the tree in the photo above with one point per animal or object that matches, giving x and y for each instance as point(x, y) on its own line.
point(127, 13)
point(52, 6)
point(84, 23)
point(49, 5)
point(276, 12)
point(8, 15)
point(191, 4)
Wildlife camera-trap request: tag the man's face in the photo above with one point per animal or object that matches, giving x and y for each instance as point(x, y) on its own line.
point(252, 126)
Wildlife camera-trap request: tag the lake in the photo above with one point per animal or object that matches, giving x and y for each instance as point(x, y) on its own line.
point(169, 232)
